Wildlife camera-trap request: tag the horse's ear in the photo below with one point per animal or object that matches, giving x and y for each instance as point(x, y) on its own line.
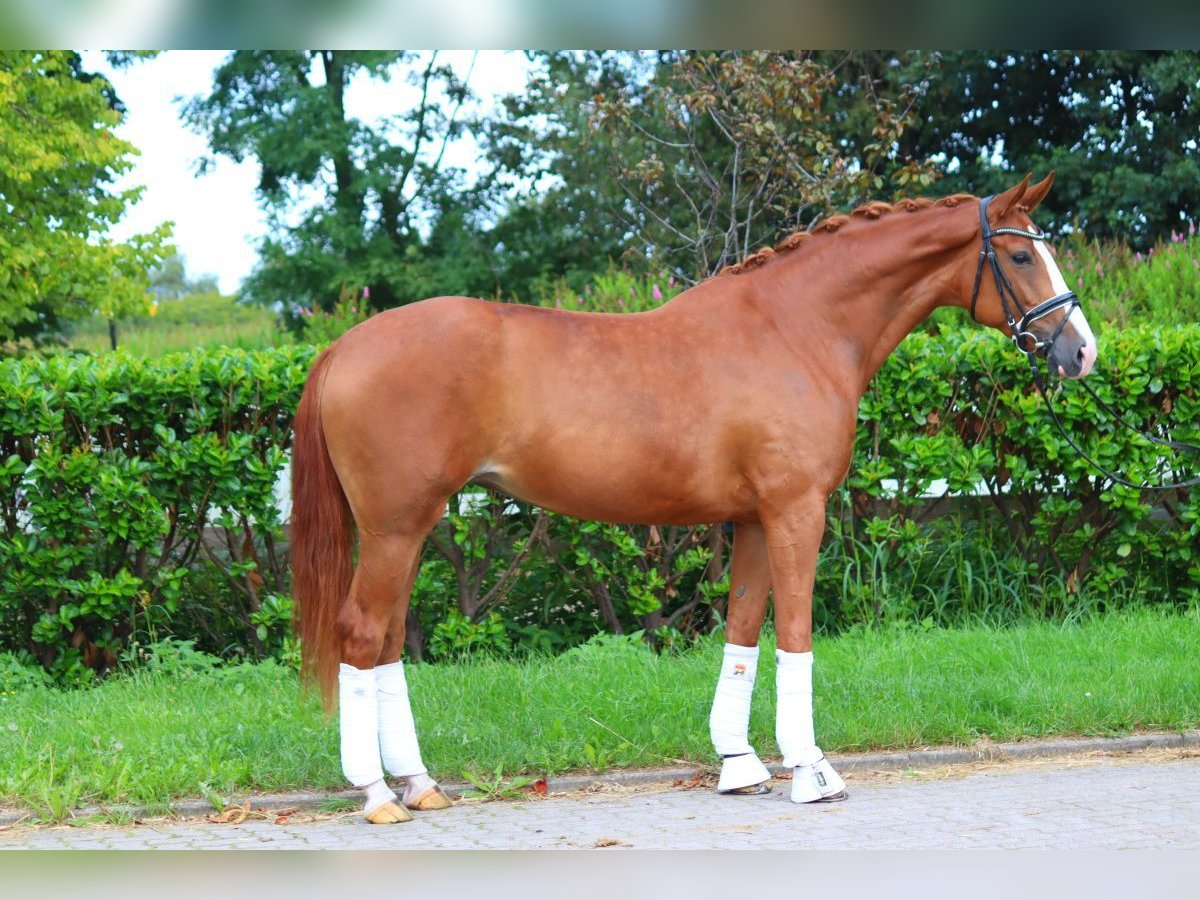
point(1005, 203)
point(1037, 193)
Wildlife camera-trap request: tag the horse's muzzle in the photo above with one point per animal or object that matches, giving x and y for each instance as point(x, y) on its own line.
point(1073, 356)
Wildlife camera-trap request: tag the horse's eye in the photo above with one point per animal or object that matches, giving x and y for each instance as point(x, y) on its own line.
point(1021, 258)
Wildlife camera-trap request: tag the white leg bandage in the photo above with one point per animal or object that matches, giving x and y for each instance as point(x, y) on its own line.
point(794, 708)
point(729, 721)
point(812, 776)
point(397, 731)
point(359, 719)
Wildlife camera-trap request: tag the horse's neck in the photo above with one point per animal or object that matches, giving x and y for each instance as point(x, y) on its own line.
point(859, 292)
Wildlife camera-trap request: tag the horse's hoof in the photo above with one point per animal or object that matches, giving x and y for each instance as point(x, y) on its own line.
point(431, 798)
point(390, 813)
point(751, 790)
point(743, 774)
point(817, 783)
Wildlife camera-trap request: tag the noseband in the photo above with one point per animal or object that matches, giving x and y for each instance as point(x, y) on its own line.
point(1027, 342)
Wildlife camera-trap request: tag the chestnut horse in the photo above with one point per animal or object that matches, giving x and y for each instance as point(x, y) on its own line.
point(757, 375)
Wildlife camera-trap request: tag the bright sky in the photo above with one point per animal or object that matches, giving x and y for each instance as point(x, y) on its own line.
point(218, 222)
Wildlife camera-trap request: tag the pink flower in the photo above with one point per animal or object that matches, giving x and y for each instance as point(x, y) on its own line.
point(1099, 269)
point(671, 282)
point(366, 292)
point(631, 293)
point(1138, 255)
point(1175, 238)
point(656, 293)
point(1191, 229)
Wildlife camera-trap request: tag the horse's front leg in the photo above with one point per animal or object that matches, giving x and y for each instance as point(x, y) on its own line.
point(793, 535)
point(742, 772)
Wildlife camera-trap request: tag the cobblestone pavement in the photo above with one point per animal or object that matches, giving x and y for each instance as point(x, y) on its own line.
point(1149, 799)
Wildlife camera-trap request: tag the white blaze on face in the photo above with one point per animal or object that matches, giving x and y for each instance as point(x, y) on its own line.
point(1059, 284)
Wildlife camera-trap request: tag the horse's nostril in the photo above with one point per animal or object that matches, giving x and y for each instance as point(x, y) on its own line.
point(1087, 359)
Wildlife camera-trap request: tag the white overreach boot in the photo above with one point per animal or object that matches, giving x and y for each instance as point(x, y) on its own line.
point(813, 778)
point(359, 720)
point(817, 781)
point(398, 741)
point(742, 772)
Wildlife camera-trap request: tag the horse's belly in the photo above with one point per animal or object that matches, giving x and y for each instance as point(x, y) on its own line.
point(618, 479)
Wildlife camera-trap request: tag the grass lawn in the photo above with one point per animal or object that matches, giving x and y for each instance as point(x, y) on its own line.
point(149, 738)
point(207, 320)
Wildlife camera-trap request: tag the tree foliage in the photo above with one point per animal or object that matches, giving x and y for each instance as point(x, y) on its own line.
point(1120, 127)
point(564, 220)
point(692, 159)
point(58, 199)
point(731, 148)
point(170, 280)
point(346, 197)
point(681, 159)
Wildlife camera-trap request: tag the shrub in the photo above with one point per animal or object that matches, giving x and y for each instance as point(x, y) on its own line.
point(1121, 286)
point(126, 484)
point(138, 504)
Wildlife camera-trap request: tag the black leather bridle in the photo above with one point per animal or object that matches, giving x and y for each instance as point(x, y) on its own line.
point(1027, 342)
point(1035, 346)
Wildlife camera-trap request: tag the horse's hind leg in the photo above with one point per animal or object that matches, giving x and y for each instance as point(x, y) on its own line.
point(386, 569)
point(397, 731)
point(742, 771)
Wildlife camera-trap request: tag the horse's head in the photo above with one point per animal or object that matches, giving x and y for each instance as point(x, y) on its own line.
point(1019, 289)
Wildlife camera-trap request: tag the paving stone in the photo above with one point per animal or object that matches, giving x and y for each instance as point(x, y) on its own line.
point(1103, 803)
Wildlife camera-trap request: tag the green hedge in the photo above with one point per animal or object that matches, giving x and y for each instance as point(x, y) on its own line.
point(1051, 535)
point(137, 504)
point(110, 471)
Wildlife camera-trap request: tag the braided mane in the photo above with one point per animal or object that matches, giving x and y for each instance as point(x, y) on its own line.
point(872, 210)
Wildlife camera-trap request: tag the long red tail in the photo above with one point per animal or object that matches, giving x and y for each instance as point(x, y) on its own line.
point(322, 538)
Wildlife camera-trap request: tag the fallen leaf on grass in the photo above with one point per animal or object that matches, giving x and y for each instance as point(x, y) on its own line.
point(238, 813)
point(698, 780)
point(539, 787)
point(231, 815)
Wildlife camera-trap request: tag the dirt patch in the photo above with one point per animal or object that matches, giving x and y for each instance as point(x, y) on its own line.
point(1000, 766)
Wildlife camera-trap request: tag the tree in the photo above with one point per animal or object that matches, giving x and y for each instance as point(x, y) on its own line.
point(170, 280)
point(694, 159)
point(559, 201)
point(346, 198)
point(731, 148)
point(58, 200)
point(1120, 127)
